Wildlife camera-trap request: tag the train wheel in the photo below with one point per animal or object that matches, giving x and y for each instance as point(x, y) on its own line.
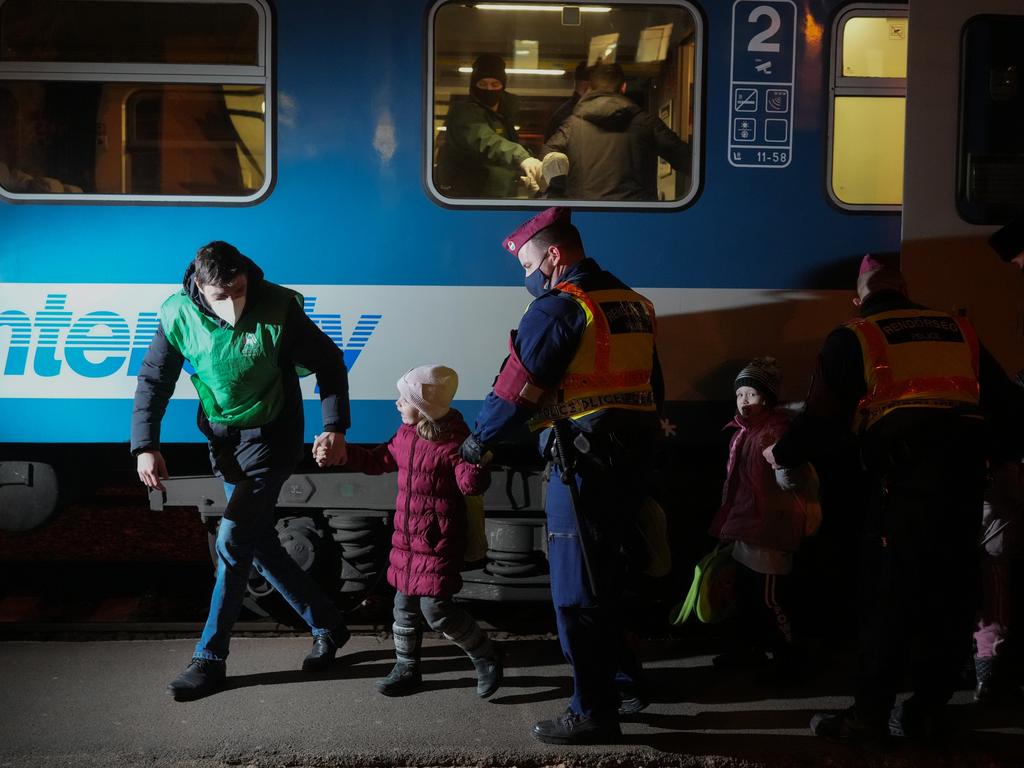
point(363, 543)
point(29, 493)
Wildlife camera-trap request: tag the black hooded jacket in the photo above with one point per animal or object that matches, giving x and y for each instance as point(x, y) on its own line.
point(613, 147)
point(275, 446)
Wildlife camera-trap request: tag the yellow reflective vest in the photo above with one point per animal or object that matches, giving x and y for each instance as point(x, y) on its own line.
point(613, 363)
point(915, 358)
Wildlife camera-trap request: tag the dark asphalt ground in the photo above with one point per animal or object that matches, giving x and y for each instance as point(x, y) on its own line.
point(97, 704)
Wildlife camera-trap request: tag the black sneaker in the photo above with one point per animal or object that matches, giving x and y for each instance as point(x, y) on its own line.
point(570, 728)
point(324, 648)
point(201, 677)
point(403, 679)
point(847, 727)
point(489, 673)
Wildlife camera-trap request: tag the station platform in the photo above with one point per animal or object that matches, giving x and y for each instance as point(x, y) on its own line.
point(103, 704)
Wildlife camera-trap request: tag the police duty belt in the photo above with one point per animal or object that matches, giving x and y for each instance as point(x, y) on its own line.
point(593, 402)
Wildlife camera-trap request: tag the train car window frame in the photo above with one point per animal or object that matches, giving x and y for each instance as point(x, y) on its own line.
point(986, 211)
point(696, 140)
point(162, 74)
point(842, 86)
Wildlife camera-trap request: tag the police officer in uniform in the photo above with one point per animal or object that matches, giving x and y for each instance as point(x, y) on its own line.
point(244, 337)
point(584, 357)
point(916, 386)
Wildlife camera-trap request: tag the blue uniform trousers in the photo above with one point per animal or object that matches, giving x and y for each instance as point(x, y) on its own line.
point(590, 629)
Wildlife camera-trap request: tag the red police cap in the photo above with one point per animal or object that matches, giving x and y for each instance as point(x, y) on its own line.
point(542, 220)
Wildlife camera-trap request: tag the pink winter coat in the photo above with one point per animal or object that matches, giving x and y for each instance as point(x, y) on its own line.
point(429, 540)
point(754, 508)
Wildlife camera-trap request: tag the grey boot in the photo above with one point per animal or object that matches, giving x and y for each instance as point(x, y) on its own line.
point(489, 672)
point(404, 678)
point(485, 655)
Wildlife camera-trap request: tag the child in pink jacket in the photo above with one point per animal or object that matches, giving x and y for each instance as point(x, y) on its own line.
point(766, 513)
point(429, 538)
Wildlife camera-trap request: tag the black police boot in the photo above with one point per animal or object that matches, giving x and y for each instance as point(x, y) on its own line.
point(848, 726)
point(570, 728)
point(489, 672)
point(200, 678)
point(324, 648)
point(404, 678)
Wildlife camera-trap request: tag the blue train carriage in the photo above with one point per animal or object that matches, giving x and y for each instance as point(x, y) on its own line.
point(312, 135)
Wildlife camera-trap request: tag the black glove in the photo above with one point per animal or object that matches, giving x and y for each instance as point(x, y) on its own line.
point(472, 450)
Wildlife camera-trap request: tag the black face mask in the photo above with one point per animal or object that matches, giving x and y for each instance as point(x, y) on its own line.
point(489, 99)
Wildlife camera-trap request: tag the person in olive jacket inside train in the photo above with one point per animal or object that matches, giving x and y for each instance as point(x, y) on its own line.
point(481, 155)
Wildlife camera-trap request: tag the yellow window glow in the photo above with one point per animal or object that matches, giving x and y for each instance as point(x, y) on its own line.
point(867, 149)
point(875, 46)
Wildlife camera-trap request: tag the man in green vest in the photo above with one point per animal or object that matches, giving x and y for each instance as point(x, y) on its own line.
point(244, 337)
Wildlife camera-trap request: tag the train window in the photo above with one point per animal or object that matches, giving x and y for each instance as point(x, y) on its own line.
point(516, 92)
point(176, 113)
point(990, 187)
point(129, 32)
point(868, 106)
point(875, 46)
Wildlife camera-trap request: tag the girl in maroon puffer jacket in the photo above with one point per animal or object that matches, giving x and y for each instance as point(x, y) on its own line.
point(429, 540)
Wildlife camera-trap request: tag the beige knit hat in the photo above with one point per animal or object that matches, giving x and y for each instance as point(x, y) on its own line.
point(430, 388)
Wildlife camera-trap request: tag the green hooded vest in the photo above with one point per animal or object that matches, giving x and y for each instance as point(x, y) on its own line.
point(237, 374)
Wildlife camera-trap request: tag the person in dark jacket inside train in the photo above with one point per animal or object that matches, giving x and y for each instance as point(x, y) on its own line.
point(581, 84)
point(613, 145)
point(244, 337)
point(916, 387)
point(582, 364)
point(481, 155)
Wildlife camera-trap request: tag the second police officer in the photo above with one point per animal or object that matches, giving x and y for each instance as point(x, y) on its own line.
point(916, 386)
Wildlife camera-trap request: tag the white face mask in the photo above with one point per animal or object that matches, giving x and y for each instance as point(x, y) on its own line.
point(228, 310)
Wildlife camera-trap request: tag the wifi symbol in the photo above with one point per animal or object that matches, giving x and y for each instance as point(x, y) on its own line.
point(777, 101)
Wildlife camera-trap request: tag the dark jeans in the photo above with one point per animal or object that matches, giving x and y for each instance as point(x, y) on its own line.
point(247, 535)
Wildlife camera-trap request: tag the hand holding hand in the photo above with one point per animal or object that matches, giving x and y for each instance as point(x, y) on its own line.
point(329, 449)
point(475, 452)
point(769, 456)
point(152, 469)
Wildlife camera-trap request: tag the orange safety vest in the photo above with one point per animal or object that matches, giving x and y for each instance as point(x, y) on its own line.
point(613, 363)
point(916, 358)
